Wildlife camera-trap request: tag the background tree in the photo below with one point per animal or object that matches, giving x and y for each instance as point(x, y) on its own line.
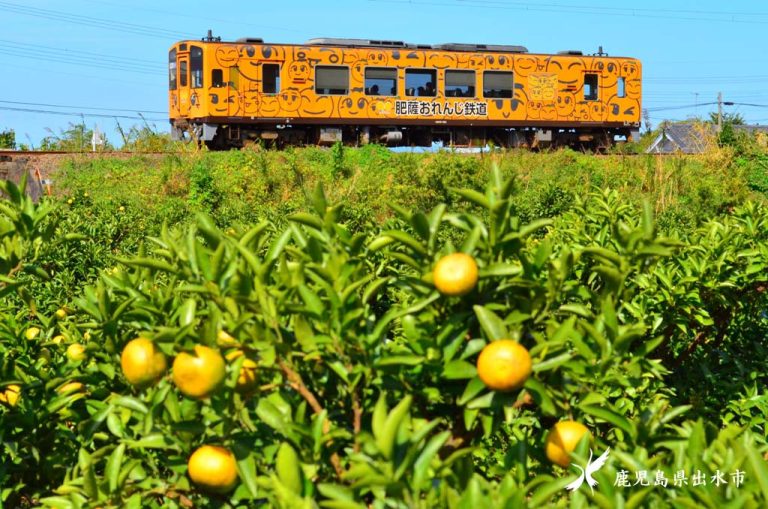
point(8, 139)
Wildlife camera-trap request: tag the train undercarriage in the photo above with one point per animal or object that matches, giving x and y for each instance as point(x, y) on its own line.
point(227, 136)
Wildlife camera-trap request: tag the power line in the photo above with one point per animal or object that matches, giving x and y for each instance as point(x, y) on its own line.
point(82, 107)
point(106, 24)
point(81, 61)
point(121, 58)
point(80, 114)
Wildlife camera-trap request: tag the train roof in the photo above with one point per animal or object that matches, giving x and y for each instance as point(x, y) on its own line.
point(391, 44)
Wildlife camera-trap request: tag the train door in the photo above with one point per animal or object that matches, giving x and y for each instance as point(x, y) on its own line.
point(269, 74)
point(173, 86)
point(182, 65)
point(233, 92)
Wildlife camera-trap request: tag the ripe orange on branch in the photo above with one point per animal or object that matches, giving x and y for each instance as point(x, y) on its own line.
point(10, 395)
point(504, 365)
point(562, 439)
point(198, 375)
point(455, 274)
point(213, 468)
point(246, 379)
point(142, 362)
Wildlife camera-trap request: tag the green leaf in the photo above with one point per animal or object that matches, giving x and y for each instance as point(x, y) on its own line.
point(491, 323)
point(473, 196)
point(421, 467)
point(386, 441)
point(114, 463)
point(288, 468)
point(607, 415)
point(459, 370)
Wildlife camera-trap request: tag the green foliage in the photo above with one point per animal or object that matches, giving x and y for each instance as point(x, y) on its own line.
point(367, 389)
point(8, 139)
point(76, 138)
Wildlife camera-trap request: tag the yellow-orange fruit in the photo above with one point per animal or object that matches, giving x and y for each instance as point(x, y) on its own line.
point(213, 468)
point(76, 352)
point(70, 387)
point(32, 333)
point(198, 375)
point(142, 362)
point(246, 379)
point(455, 274)
point(10, 395)
point(562, 439)
point(504, 365)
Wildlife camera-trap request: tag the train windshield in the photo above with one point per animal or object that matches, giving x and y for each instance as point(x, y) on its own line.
point(196, 66)
point(172, 70)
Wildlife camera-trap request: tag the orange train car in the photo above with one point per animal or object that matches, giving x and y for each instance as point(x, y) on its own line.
point(361, 91)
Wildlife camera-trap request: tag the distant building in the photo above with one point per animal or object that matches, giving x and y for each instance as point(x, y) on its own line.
point(684, 138)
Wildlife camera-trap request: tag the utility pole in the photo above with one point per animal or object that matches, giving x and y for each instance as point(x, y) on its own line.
point(719, 111)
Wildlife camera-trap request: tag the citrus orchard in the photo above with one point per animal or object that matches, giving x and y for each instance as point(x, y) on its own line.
point(246, 379)
point(504, 365)
point(455, 274)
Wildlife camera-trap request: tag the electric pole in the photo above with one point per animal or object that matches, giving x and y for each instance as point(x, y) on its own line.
point(719, 112)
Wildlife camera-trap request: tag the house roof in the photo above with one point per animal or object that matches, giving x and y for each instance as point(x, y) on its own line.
point(684, 137)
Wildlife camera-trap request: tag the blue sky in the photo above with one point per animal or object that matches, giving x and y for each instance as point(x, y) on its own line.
point(107, 58)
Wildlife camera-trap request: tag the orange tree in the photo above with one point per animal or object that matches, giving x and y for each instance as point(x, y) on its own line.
point(362, 375)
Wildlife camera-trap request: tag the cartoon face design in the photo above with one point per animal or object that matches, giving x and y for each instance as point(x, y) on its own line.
point(317, 106)
point(377, 58)
point(497, 62)
point(298, 72)
point(380, 107)
point(534, 109)
point(610, 74)
point(289, 99)
point(565, 104)
point(332, 56)
point(272, 52)
point(596, 111)
point(548, 111)
point(349, 107)
point(226, 56)
point(441, 60)
point(357, 70)
point(582, 111)
point(269, 106)
point(247, 51)
point(525, 65)
point(250, 102)
point(631, 72)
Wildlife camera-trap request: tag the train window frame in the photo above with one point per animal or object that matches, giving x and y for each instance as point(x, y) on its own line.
point(394, 80)
point(172, 68)
point(329, 67)
point(217, 78)
point(591, 94)
point(411, 92)
point(196, 67)
point(621, 87)
point(502, 91)
point(471, 93)
point(183, 70)
point(276, 84)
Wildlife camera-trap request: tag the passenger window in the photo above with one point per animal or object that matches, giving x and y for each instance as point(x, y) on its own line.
point(621, 88)
point(183, 73)
point(270, 78)
point(380, 81)
point(196, 66)
point(460, 83)
point(217, 78)
point(590, 87)
point(420, 82)
point(498, 84)
point(172, 70)
point(331, 80)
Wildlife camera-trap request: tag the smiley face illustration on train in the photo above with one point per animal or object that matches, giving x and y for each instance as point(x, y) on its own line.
point(317, 106)
point(269, 105)
point(565, 104)
point(380, 107)
point(377, 58)
point(290, 100)
point(298, 71)
point(349, 107)
point(525, 65)
point(441, 60)
point(549, 110)
point(226, 56)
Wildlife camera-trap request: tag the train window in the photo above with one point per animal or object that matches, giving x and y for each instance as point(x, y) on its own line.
point(183, 73)
point(196, 66)
point(380, 81)
point(590, 87)
point(217, 78)
point(499, 84)
point(172, 70)
point(460, 83)
point(420, 82)
point(621, 88)
point(270, 78)
point(331, 80)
